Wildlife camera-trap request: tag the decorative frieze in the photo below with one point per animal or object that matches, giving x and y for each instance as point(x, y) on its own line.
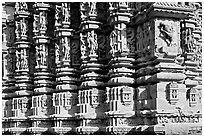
point(102, 68)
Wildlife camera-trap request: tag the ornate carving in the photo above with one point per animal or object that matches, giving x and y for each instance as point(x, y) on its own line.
point(57, 53)
point(44, 102)
point(94, 98)
point(113, 42)
point(188, 43)
point(131, 39)
point(24, 59)
point(21, 6)
point(66, 48)
point(24, 28)
point(43, 20)
point(83, 46)
point(92, 42)
point(10, 65)
point(25, 105)
point(17, 30)
point(58, 15)
point(167, 32)
point(102, 46)
point(66, 12)
point(36, 23)
point(41, 55)
point(126, 95)
point(172, 93)
point(68, 100)
point(93, 10)
point(18, 60)
point(193, 97)
point(83, 10)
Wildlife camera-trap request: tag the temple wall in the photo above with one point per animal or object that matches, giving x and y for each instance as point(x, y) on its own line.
point(101, 68)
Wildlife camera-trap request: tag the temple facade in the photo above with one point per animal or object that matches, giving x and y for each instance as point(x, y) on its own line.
point(102, 68)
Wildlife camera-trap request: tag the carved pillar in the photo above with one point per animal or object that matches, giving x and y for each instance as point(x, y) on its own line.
point(119, 88)
point(8, 65)
point(91, 106)
point(191, 45)
point(64, 100)
point(23, 81)
point(160, 70)
point(43, 72)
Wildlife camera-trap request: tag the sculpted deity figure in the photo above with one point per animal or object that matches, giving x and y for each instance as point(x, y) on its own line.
point(38, 56)
point(92, 6)
point(24, 60)
point(57, 14)
point(57, 52)
point(17, 30)
point(23, 27)
point(65, 12)
point(82, 11)
point(92, 42)
point(113, 37)
point(24, 104)
point(83, 45)
point(66, 48)
point(43, 54)
point(44, 102)
point(36, 22)
point(188, 40)
point(43, 20)
point(167, 31)
point(18, 60)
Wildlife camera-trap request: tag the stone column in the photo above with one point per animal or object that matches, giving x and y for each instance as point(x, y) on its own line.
point(191, 44)
point(24, 86)
point(65, 96)
point(119, 90)
point(43, 77)
point(8, 65)
point(91, 92)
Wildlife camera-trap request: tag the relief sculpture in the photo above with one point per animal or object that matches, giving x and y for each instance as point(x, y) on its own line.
point(167, 33)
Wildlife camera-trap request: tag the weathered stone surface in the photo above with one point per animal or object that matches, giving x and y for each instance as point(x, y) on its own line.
point(102, 68)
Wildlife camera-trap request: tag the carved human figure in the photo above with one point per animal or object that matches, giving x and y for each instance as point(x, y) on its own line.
point(23, 27)
point(113, 38)
point(44, 102)
point(57, 14)
point(36, 22)
point(43, 20)
point(92, 42)
point(92, 6)
point(38, 56)
point(24, 104)
point(17, 30)
point(43, 54)
point(65, 12)
point(66, 48)
point(25, 60)
point(57, 52)
point(167, 31)
point(188, 40)
point(83, 46)
point(82, 10)
point(18, 60)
